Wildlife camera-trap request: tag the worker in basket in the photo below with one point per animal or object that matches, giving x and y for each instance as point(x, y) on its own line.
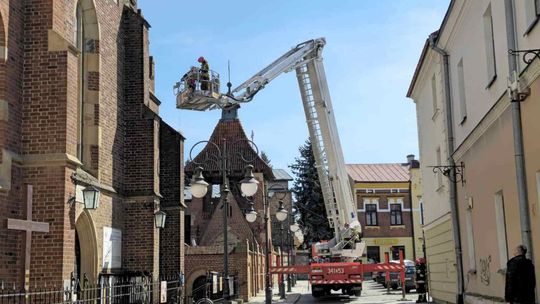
point(204, 73)
point(190, 79)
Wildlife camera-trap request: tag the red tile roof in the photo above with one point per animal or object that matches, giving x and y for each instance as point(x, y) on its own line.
point(378, 172)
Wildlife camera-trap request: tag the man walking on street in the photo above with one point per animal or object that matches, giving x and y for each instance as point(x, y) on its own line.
point(520, 279)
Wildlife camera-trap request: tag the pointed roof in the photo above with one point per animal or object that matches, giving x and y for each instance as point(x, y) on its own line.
point(230, 133)
point(363, 173)
point(281, 175)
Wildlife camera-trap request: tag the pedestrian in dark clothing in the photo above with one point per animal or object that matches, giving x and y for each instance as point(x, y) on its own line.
point(520, 279)
point(421, 280)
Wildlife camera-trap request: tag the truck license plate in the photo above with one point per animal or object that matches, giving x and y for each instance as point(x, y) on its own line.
point(336, 271)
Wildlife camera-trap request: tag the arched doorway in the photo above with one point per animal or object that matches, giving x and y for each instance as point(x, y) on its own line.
point(77, 271)
point(199, 288)
point(86, 257)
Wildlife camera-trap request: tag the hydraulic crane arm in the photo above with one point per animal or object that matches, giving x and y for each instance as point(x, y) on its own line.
point(286, 63)
point(306, 60)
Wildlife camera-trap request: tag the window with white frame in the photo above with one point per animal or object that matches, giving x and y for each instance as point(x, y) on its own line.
point(500, 220)
point(439, 160)
point(396, 218)
point(532, 11)
point(470, 238)
point(489, 44)
point(434, 93)
point(371, 214)
point(422, 212)
point(461, 88)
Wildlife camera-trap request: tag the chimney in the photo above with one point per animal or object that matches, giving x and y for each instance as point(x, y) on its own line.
point(410, 158)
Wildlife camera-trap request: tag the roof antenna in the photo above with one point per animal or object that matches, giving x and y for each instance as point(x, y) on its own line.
point(229, 84)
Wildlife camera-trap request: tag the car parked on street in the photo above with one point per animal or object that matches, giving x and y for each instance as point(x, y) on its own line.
point(395, 281)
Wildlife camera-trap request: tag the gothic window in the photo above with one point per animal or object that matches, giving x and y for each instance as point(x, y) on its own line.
point(395, 215)
point(80, 91)
point(371, 215)
point(86, 41)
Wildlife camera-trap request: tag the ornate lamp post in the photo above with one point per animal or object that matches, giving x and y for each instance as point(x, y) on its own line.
point(199, 187)
point(281, 215)
point(289, 254)
point(295, 232)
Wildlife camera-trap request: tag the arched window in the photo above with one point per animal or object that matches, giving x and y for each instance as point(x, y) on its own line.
point(81, 85)
point(86, 39)
point(3, 39)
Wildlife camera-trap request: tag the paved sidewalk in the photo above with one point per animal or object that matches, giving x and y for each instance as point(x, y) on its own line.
point(301, 287)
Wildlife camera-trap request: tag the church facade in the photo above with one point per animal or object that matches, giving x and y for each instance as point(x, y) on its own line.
point(78, 112)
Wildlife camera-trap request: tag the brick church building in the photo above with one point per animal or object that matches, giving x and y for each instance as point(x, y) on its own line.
point(77, 109)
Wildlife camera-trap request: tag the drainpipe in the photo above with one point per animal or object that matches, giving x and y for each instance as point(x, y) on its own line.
point(410, 160)
point(453, 185)
point(525, 219)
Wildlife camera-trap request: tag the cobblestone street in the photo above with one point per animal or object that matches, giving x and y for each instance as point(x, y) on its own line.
point(373, 293)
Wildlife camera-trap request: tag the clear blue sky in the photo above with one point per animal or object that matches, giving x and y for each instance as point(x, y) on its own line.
point(372, 49)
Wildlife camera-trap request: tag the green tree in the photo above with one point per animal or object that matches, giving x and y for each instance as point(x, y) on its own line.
point(265, 158)
point(309, 203)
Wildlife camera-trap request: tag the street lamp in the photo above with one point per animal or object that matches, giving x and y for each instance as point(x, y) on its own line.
point(251, 216)
point(159, 219)
point(281, 213)
point(249, 184)
point(294, 227)
point(90, 198)
point(199, 188)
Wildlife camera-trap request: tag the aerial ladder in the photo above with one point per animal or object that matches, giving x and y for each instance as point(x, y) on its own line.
point(339, 271)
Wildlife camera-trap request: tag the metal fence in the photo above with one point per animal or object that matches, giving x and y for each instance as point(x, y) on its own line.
point(109, 289)
point(212, 289)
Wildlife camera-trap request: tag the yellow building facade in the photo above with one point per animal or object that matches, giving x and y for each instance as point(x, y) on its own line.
point(387, 210)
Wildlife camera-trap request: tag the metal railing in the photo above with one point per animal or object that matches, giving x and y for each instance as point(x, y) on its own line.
point(109, 289)
point(198, 80)
point(212, 290)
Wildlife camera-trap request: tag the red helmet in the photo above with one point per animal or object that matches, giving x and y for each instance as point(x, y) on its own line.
point(201, 59)
point(420, 261)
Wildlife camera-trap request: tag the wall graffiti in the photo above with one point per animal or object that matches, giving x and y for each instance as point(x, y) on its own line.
point(485, 271)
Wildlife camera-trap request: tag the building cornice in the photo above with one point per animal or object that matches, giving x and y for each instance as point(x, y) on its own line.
point(481, 128)
point(49, 160)
point(436, 222)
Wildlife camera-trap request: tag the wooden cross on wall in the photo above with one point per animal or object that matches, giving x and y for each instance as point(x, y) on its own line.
point(28, 226)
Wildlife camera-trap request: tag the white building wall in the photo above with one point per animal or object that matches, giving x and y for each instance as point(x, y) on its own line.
point(437, 227)
point(463, 38)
